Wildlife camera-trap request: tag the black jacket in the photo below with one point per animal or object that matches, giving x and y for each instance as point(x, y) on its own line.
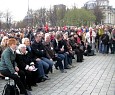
point(38, 49)
point(105, 39)
point(23, 60)
point(59, 46)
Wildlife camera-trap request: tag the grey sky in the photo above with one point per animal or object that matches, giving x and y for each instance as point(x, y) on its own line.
point(18, 8)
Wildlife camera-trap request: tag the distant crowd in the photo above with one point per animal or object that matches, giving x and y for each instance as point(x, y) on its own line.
point(31, 53)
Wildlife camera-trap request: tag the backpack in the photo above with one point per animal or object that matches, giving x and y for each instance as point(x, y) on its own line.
point(10, 89)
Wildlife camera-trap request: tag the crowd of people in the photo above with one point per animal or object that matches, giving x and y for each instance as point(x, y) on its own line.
point(28, 55)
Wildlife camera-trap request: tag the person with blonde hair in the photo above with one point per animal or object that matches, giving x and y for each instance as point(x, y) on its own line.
point(3, 44)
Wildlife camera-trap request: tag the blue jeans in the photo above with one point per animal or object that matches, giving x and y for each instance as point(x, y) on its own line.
point(42, 67)
point(66, 62)
point(113, 47)
point(60, 58)
point(100, 47)
point(49, 62)
point(70, 59)
point(104, 49)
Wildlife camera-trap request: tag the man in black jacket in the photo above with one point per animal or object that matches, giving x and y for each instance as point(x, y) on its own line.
point(40, 52)
point(105, 41)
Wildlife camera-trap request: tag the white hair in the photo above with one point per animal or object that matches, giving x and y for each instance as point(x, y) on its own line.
point(23, 40)
point(46, 35)
point(21, 46)
point(90, 28)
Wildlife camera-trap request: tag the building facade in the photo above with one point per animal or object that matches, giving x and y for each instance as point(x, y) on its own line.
point(109, 15)
point(108, 11)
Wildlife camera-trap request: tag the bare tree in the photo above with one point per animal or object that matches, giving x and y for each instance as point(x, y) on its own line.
point(8, 18)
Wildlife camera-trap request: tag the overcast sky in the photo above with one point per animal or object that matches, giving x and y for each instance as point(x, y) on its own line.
point(18, 8)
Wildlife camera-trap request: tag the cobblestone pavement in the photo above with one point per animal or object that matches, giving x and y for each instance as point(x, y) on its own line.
point(94, 76)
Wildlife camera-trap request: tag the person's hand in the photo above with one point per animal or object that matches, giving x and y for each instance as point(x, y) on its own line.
point(56, 55)
point(62, 49)
point(38, 59)
point(51, 59)
point(16, 73)
point(67, 52)
point(30, 68)
point(17, 69)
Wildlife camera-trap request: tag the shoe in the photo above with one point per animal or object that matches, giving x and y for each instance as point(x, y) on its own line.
point(35, 85)
point(56, 67)
point(73, 66)
point(29, 88)
point(70, 65)
point(79, 60)
point(67, 67)
point(63, 71)
point(45, 78)
point(28, 93)
point(51, 70)
point(42, 80)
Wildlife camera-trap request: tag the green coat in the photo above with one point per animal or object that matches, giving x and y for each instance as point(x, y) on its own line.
point(8, 60)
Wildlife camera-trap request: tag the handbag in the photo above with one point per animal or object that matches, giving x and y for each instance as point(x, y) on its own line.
point(10, 89)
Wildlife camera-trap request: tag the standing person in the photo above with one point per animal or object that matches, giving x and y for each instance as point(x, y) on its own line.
point(105, 40)
point(90, 37)
point(8, 66)
point(113, 41)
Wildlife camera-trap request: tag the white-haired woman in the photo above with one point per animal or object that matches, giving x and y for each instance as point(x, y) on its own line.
point(24, 63)
point(38, 62)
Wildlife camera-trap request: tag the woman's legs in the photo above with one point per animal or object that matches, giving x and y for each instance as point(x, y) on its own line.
point(17, 80)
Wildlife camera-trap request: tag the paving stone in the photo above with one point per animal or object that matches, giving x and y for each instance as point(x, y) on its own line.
point(94, 76)
point(111, 92)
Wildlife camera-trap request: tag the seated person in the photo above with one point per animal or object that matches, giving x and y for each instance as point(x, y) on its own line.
point(60, 50)
point(8, 66)
point(76, 48)
point(38, 62)
point(3, 44)
point(51, 53)
point(39, 51)
point(24, 62)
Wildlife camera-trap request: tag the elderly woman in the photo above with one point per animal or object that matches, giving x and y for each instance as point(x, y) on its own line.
point(8, 66)
point(38, 62)
point(25, 63)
